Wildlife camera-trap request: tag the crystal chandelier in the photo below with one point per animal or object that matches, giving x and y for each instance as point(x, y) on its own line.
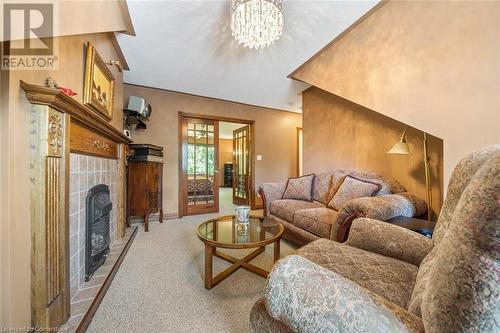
point(256, 23)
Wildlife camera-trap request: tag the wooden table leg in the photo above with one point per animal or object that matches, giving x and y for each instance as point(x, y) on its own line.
point(276, 250)
point(146, 222)
point(209, 250)
point(161, 215)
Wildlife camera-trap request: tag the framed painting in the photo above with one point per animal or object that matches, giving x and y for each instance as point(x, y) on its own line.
point(99, 85)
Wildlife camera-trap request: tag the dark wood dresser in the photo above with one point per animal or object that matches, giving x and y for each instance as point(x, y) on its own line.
point(145, 182)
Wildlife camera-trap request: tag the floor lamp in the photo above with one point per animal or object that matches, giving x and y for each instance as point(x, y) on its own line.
point(402, 148)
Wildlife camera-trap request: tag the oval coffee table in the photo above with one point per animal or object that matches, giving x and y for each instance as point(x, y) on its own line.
point(226, 232)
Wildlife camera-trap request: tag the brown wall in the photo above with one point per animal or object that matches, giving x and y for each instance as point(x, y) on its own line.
point(225, 155)
point(342, 134)
point(431, 64)
point(109, 15)
point(15, 175)
point(89, 17)
point(279, 127)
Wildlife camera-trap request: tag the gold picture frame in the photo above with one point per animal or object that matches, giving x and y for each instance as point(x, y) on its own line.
point(99, 85)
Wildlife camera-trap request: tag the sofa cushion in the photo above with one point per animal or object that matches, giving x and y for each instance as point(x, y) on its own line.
point(325, 181)
point(315, 220)
point(352, 188)
point(309, 298)
point(322, 184)
point(385, 276)
point(285, 208)
point(389, 184)
point(300, 188)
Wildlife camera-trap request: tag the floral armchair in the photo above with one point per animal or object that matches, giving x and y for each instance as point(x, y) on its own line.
point(389, 279)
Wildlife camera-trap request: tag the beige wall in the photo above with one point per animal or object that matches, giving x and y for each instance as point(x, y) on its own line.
point(225, 155)
point(14, 167)
point(432, 65)
point(76, 17)
point(279, 127)
point(342, 134)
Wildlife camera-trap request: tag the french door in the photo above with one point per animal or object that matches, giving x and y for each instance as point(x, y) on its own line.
point(241, 166)
point(200, 170)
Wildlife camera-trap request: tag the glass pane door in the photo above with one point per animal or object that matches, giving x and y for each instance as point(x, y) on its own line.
point(241, 165)
point(200, 166)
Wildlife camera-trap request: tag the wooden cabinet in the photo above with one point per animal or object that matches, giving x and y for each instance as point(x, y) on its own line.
point(228, 174)
point(145, 183)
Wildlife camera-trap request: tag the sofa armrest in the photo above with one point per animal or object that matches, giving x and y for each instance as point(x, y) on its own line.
point(271, 192)
point(389, 240)
point(262, 322)
point(307, 297)
point(382, 207)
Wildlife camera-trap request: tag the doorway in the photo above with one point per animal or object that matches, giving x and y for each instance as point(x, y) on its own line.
point(215, 169)
point(234, 161)
point(200, 176)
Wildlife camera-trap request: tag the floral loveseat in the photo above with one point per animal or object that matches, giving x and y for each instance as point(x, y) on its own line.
point(389, 279)
point(308, 220)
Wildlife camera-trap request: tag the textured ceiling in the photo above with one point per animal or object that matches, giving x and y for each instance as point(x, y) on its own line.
point(187, 46)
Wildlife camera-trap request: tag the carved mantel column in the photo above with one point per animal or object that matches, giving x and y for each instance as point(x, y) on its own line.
point(49, 217)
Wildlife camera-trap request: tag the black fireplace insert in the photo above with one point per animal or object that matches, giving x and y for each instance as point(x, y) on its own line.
point(97, 239)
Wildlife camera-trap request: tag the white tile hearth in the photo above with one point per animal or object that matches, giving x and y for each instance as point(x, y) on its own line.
point(85, 295)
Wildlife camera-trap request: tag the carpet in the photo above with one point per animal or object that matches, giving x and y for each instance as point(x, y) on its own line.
point(159, 286)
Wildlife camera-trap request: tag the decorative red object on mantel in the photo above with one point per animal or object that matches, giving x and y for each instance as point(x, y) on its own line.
point(67, 91)
point(51, 83)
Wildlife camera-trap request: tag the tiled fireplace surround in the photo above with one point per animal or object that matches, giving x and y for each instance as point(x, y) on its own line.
point(87, 171)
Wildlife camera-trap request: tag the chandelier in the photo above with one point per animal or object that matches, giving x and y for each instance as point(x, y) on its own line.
point(256, 23)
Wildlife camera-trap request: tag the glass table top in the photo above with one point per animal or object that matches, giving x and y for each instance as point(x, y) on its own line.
point(227, 230)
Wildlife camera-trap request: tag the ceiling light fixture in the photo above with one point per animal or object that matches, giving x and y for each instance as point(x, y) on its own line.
point(256, 23)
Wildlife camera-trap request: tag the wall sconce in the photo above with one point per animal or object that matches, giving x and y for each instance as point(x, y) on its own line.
point(116, 63)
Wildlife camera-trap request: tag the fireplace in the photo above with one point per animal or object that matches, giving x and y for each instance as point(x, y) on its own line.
point(97, 239)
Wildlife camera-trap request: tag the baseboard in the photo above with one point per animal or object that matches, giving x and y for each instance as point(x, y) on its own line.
point(154, 217)
point(170, 216)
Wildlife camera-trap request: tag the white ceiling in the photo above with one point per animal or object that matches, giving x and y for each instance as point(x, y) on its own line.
point(187, 46)
point(226, 129)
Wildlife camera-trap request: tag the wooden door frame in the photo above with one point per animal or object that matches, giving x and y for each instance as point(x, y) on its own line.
point(183, 181)
point(251, 123)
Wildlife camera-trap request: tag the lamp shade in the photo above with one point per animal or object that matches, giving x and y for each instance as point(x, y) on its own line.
point(400, 147)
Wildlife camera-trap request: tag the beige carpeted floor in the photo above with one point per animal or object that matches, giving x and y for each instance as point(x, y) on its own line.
point(159, 286)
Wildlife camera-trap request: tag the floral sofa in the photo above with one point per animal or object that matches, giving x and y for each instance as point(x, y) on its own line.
point(389, 279)
point(305, 221)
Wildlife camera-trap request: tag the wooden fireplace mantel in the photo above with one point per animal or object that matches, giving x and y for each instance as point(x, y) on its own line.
point(81, 115)
point(60, 125)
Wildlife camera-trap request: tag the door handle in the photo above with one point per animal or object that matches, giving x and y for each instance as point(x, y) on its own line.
point(216, 171)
